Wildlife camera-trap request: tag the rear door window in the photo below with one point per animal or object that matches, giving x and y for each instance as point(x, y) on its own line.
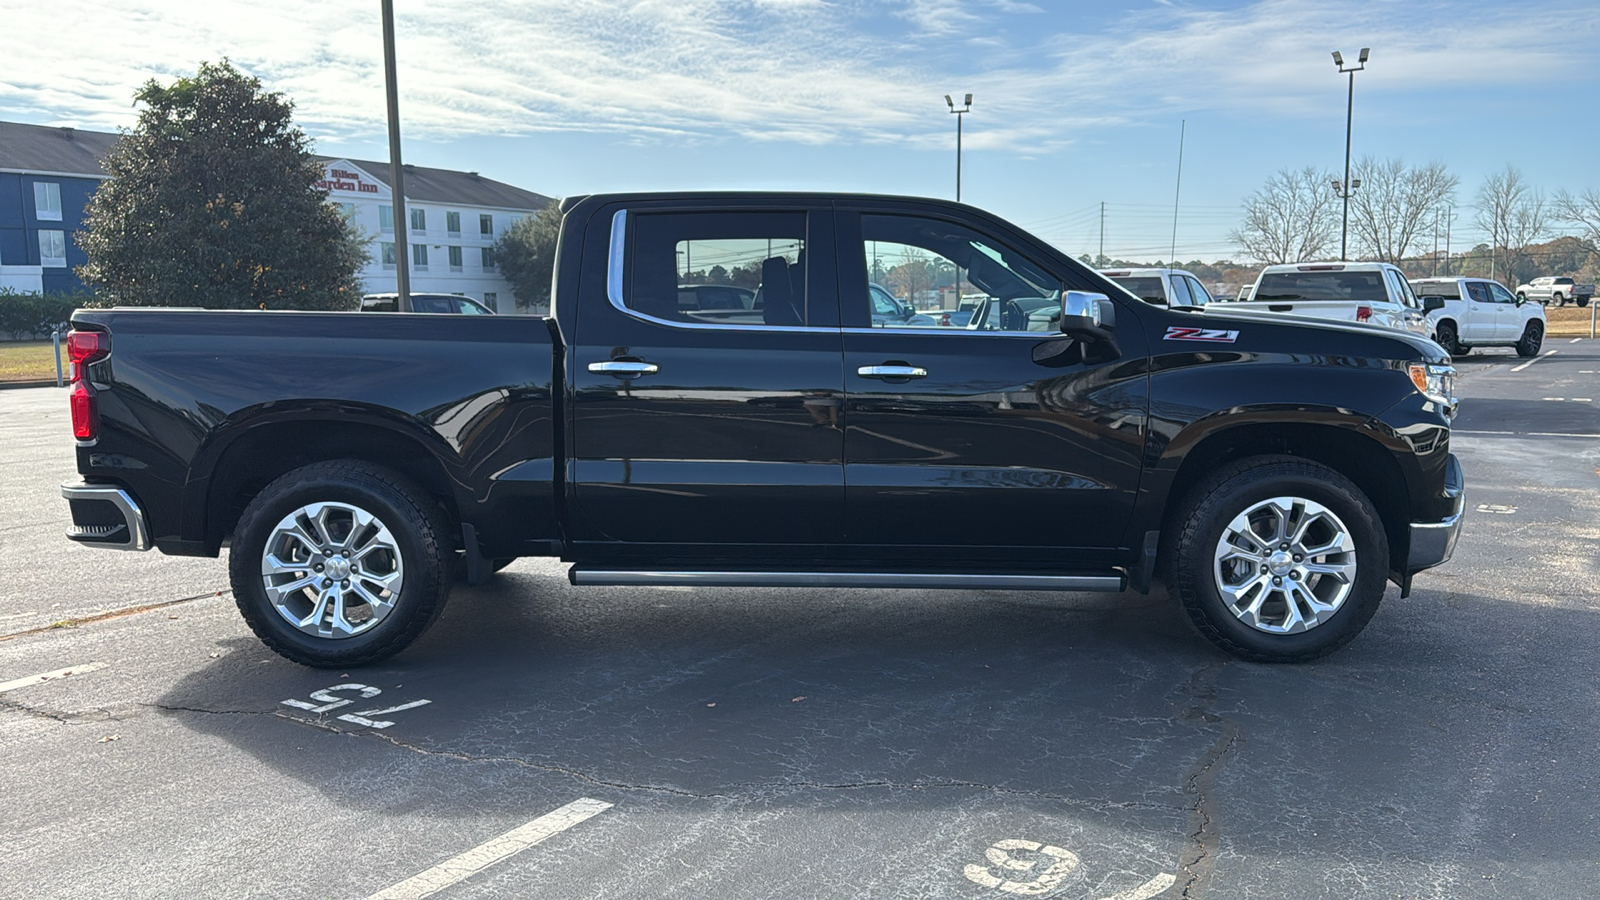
point(1180, 292)
point(1478, 292)
point(1145, 287)
point(719, 268)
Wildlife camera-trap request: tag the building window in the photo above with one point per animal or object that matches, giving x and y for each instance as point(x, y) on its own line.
point(386, 221)
point(52, 248)
point(455, 259)
point(486, 225)
point(488, 259)
point(452, 223)
point(419, 257)
point(386, 253)
point(348, 210)
point(491, 300)
point(419, 221)
point(47, 201)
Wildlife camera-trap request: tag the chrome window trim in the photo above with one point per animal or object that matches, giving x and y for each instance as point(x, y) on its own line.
point(950, 330)
point(614, 270)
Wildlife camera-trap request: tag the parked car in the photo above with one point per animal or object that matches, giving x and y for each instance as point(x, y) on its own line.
point(1478, 312)
point(715, 297)
point(454, 304)
point(1273, 471)
point(1374, 293)
point(1163, 287)
point(889, 312)
point(1556, 290)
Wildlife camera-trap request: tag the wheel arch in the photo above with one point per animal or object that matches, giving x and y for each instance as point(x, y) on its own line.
point(255, 449)
point(1355, 454)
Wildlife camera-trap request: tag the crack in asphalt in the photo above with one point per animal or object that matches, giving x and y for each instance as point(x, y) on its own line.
point(1197, 862)
point(110, 614)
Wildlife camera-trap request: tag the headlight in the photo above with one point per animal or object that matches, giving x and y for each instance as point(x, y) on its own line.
point(1437, 383)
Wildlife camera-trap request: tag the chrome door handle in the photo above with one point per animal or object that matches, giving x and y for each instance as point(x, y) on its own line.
point(623, 368)
point(892, 372)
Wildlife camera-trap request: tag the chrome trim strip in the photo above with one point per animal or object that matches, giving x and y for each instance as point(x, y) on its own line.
point(601, 577)
point(132, 515)
point(952, 330)
point(614, 270)
point(619, 233)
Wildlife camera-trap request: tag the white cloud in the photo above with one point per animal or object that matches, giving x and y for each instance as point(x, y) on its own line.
point(807, 71)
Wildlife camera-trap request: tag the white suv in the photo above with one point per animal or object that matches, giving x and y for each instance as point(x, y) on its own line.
point(1481, 313)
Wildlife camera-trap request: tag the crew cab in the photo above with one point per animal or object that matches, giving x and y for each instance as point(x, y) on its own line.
point(1377, 293)
point(1273, 472)
point(1477, 312)
point(1163, 287)
point(1556, 290)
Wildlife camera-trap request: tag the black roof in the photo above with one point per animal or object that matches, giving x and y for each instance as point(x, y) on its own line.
point(431, 185)
point(47, 148)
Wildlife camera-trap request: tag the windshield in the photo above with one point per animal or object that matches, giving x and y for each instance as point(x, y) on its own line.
point(1348, 287)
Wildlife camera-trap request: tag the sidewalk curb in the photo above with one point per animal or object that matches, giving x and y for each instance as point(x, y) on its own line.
point(7, 385)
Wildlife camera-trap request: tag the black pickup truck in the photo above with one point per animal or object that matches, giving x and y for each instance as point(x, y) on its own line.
point(1274, 473)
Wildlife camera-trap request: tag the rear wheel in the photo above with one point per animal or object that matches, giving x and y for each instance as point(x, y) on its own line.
point(338, 564)
point(1558, 300)
point(1532, 340)
point(1278, 559)
point(1447, 337)
point(1583, 301)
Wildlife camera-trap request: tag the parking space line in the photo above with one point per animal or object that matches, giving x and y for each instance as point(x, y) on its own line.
point(486, 854)
point(1547, 354)
point(50, 676)
point(1574, 340)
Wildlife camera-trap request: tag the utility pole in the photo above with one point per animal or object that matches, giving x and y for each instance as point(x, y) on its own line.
point(1449, 219)
point(1172, 260)
point(397, 188)
point(1101, 259)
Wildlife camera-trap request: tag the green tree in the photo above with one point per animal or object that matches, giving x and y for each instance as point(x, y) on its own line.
point(527, 255)
point(213, 201)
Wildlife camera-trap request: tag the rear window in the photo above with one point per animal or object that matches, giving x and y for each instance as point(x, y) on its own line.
point(1563, 281)
point(1145, 287)
point(1346, 287)
point(1449, 290)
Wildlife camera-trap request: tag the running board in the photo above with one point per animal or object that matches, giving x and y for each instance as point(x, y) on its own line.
point(602, 577)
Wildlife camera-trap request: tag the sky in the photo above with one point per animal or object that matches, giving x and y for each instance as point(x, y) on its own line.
point(1075, 104)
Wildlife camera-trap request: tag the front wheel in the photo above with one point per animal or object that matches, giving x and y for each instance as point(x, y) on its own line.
point(339, 564)
point(1278, 559)
point(1532, 340)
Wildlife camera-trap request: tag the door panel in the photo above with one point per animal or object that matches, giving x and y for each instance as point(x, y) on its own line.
point(1005, 442)
point(1480, 323)
point(713, 430)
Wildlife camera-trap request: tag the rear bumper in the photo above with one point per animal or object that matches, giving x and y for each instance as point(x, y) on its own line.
point(106, 516)
point(1433, 543)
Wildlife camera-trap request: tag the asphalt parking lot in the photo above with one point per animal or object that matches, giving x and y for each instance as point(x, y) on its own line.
point(557, 742)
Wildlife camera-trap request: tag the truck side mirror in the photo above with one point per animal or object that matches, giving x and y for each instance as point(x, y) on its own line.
point(1429, 304)
point(1082, 316)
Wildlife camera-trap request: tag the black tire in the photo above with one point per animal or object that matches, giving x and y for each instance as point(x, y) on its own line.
point(1582, 302)
point(1449, 338)
point(1532, 340)
point(416, 529)
point(1557, 300)
point(1203, 517)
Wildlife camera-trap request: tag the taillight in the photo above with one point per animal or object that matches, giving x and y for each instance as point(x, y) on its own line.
point(85, 417)
point(1363, 313)
point(84, 347)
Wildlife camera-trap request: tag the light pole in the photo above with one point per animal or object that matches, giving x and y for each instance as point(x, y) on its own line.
point(1347, 187)
point(959, 113)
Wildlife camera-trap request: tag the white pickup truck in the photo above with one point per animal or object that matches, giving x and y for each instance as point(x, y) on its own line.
point(1163, 287)
point(1556, 290)
point(1478, 312)
point(1377, 293)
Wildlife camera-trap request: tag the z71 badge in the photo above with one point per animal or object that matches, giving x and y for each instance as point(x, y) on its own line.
point(1209, 335)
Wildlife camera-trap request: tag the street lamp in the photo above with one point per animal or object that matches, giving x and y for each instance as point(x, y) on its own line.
point(1347, 187)
point(959, 113)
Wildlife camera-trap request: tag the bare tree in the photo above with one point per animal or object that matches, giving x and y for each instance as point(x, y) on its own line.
point(1396, 204)
point(1292, 218)
point(1515, 215)
point(1583, 211)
